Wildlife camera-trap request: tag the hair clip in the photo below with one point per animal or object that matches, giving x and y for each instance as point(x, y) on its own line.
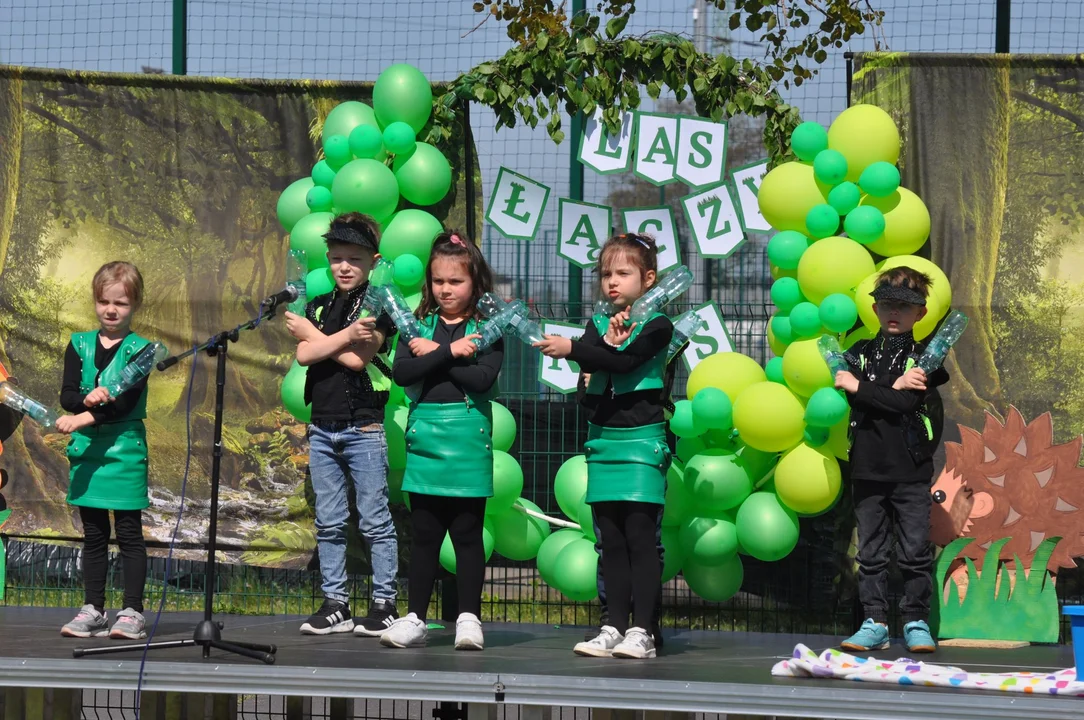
point(456, 240)
point(640, 240)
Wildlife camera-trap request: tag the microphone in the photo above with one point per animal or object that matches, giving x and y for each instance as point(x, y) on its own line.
point(286, 295)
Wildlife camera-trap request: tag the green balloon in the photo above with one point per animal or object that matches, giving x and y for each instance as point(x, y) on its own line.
point(504, 426)
point(816, 436)
point(409, 272)
point(718, 479)
point(712, 409)
point(767, 529)
point(346, 116)
point(838, 312)
point(785, 249)
point(322, 174)
point(786, 294)
point(826, 407)
point(880, 179)
point(808, 139)
point(546, 560)
point(714, 583)
point(774, 370)
point(402, 94)
point(292, 392)
point(395, 423)
point(366, 186)
point(586, 518)
point(395, 486)
point(689, 446)
point(822, 220)
point(709, 541)
point(410, 232)
point(424, 176)
point(782, 329)
point(318, 199)
point(399, 138)
point(830, 167)
point(318, 282)
point(337, 151)
point(673, 555)
point(519, 535)
point(679, 504)
point(844, 197)
point(507, 483)
point(805, 320)
point(366, 141)
point(570, 485)
point(683, 423)
point(291, 205)
point(308, 236)
point(576, 570)
point(865, 224)
point(447, 550)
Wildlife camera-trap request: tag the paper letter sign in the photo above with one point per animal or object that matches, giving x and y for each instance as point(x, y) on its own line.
point(517, 205)
point(746, 187)
point(657, 222)
point(701, 156)
point(709, 339)
point(714, 221)
point(582, 228)
point(656, 148)
point(602, 152)
point(561, 375)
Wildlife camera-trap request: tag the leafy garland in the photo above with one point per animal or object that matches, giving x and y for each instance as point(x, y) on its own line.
point(576, 67)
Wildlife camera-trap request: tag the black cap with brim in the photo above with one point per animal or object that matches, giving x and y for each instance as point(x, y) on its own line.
point(886, 291)
point(351, 236)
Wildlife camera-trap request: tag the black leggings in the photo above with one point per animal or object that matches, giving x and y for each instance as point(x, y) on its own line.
point(630, 561)
point(431, 517)
point(133, 550)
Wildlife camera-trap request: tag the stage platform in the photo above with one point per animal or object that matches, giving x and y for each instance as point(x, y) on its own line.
point(533, 665)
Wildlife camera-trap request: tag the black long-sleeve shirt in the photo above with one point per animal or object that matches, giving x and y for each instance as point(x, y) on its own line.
point(633, 409)
point(446, 379)
point(71, 399)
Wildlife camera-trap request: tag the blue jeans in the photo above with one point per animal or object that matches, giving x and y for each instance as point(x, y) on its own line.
point(364, 456)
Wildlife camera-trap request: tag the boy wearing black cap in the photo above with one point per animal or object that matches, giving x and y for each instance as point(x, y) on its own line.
point(896, 420)
point(348, 380)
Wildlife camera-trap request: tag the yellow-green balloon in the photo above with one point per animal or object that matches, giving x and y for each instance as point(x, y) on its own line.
point(546, 560)
point(804, 368)
point(673, 554)
point(679, 504)
point(714, 583)
point(292, 392)
point(424, 176)
point(832, 265)
point(576, 569)
point(292, 205)
point(807, 479)
point(766, 529)
point(367, 186)
point(308, 236)
point(402, 94)
point(504, 428)
point(907, 223)
point(519, 535)
point(395, 423)
point(570, 485)
point(346, 116)
point(864, 134)
point(410, 232)
point(769, 417)
point(730, 372)
point(940, 287)
point(507, 483)
point(788, 193)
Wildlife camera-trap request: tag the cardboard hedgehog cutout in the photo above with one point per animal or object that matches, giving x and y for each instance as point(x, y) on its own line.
point(9, 420)
point(1007, 508)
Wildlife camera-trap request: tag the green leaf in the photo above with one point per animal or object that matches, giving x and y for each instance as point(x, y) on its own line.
point(558, 136)
point(668, 57)
point(527, 77)
point(504, 90)
point(542, 41)
point(615, 26)
point(487, 68)
point(653, 89)
point(700, 84)
point(588, 46)
point(480, 93)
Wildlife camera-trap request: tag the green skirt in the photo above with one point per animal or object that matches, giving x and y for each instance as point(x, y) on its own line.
point(627, 464)
point(449, 450)
point(109, 466)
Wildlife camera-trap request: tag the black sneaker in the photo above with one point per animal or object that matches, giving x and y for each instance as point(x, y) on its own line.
point(382, 613)
point(332, 617)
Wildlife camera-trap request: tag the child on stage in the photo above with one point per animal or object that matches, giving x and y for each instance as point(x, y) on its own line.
point(108, 453)
point(891, 460)
point(627, 454)
point(449, 467)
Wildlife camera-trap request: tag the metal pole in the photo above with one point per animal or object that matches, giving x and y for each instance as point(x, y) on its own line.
point(575, 192)
point(1002, 25)
point(700, 39)
point(180, 37)
point(468, 165)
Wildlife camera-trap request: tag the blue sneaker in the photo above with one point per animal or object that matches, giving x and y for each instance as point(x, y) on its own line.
point(871, 636)
point(918, 638)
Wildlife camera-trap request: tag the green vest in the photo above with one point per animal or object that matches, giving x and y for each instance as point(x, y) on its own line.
point(649, 376)
point(86, 344)
point(429, 325)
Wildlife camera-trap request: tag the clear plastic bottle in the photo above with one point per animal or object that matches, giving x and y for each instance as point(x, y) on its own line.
point(942, 341)
point(832, 354)
point(393, 303)
point(685, 327)
point(17, 400)
point(137, 368)
point(380, 276)
point(296, 271)
point(672, 285)
point(508, 318)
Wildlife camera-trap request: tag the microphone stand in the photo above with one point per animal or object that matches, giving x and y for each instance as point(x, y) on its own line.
point(208, 633)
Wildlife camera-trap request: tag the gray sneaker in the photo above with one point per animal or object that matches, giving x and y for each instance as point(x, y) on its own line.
point(87, 623)
point(129, 625)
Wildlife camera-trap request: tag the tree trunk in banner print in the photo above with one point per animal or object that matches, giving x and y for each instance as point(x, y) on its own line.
point(957, 161)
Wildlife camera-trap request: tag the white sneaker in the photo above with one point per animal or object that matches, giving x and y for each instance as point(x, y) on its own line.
point(602, 645)
point(637, 645)
point(405, 632)
point(468, 632)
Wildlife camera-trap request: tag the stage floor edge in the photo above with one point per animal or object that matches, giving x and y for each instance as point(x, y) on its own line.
point(713, 672)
